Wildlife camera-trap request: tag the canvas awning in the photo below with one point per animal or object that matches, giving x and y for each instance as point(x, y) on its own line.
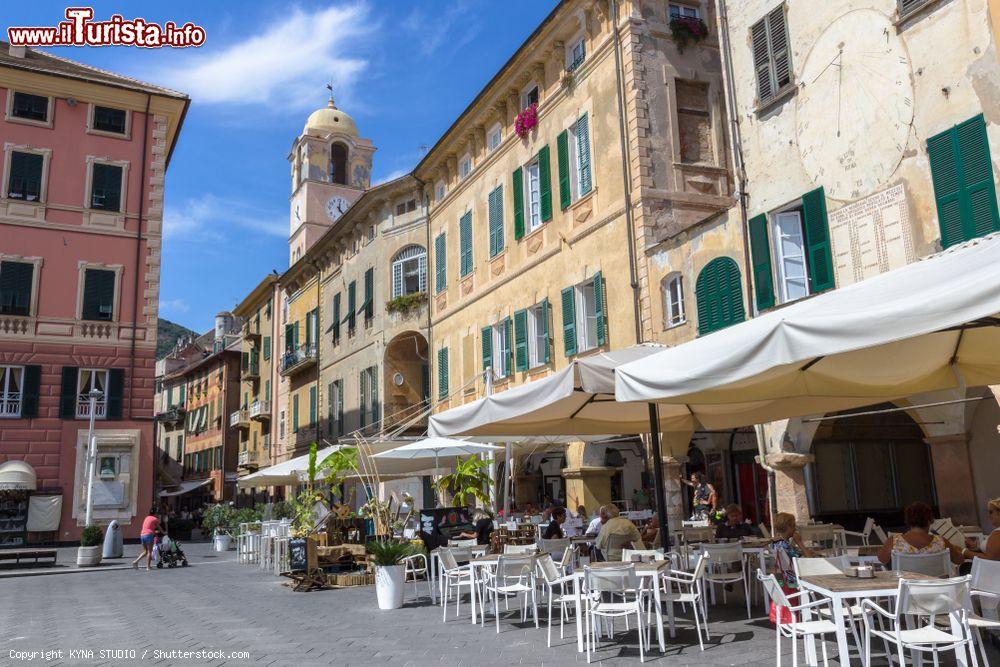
point(927, 326)
point(185, 486)
point(577, 400)
point(17, 476)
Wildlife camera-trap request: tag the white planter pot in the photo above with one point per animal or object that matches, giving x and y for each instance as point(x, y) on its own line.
point(88, 556)
point(389, 586)
point(223, 542)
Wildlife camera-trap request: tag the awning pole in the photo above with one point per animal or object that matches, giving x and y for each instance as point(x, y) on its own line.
point(661, 496)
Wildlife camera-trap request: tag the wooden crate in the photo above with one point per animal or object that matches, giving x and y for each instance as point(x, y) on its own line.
point(351, 579)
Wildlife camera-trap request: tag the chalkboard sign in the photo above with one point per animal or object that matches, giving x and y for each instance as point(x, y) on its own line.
point(298, 554)
point(445, 520)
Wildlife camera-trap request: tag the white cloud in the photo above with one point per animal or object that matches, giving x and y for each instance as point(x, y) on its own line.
point(213, 219)
point(432, 31)
point(285, 64)
point(174, 306)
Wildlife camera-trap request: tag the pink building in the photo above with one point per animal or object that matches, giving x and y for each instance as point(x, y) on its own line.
point(85, 152)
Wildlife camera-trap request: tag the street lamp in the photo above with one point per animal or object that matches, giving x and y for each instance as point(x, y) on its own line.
point(91, 459)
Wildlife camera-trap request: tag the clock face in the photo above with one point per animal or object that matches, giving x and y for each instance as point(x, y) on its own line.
point(855, 106)
point(335, 207)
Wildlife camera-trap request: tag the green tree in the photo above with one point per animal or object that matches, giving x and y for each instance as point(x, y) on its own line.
point(471, 479)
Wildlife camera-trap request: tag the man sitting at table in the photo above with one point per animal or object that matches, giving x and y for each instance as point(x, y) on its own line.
point(734, 528)
point(617, 533)
point(595, 526)
point(554, 530)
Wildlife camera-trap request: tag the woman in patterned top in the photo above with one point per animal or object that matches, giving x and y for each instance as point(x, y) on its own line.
point(787, 547)
point(918, 538)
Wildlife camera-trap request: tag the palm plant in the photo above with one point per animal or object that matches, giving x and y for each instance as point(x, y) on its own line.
point(386, 553)
point(471, 479)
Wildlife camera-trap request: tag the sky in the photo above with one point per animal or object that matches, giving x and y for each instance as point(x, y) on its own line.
point(403, 69)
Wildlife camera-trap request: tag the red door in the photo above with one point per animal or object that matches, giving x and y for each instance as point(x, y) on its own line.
point(752, 481)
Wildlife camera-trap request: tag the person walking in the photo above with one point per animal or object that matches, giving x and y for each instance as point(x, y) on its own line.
point(704, 498)
point(150, 525)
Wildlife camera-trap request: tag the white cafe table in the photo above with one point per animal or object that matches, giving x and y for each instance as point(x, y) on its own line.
point(842, 590)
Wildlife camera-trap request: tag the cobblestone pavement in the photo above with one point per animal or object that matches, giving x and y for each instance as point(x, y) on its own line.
point(217, 605)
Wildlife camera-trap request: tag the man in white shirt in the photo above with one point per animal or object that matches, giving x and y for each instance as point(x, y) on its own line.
point(595, 526)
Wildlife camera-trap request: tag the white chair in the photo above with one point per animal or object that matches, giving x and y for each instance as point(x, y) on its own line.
point(726, 567)
point(832, 565)
point(933, 564)
point(985, 585)
point(764, 530)
point(515, 575)
point(467, 543)
point(919, 606)
point(554, 547)
point(689, 592)
point(645, 554)
point(618, 582)
point(796, 628)
point(880, 534)
point(555, 582)
point(567, 559)
point(414, 566)
point(519, 549)
point(865, 533)
point(452, 576)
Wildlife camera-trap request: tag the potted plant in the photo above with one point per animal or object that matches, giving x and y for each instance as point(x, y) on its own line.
point(89, 553)
point(387, 557)
point(471, 479)
point(526, 120)
point(218, 520)
point(685, 29)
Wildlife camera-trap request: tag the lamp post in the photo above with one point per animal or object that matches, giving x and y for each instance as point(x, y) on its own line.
point(91, 459)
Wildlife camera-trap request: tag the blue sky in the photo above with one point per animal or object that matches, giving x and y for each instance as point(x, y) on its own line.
point(403, 69)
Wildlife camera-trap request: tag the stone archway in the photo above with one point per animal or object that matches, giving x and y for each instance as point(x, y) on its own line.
point(406, 381)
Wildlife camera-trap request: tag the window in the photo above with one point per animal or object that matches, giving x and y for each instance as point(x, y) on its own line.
point(464, 166)
point(684, 12)
point(907, 7)
point(576, 54)
point(494, 137)
point(25, 178)
point(497, 349)
point(795, 241)
point(962, 172)
point(585, 324)
point(531, 336)
point(106, 187)
point(694, 122)
point(11, 386)
point(180, 447)
point(771, 56)
point(16, 279)
point(442, 369)
point(88, 380)
point(351, 317)
point(529, 95)
point(110, 120)
point(338, 164)
point(335, 408)
point(409, 271)
point(312, 406)
point(719, 295)
point(440, 191)
point(465, 244)
point(532, 188)
point(573, 157)
point(368, 392)
point(532, 192)
point(404, 207)
point(495, 206)
point(98, 294)
point(440, 264)
point(281, 424)
point(30, 107)
point(368, 307)
point(295, 413)
point(672, 288)
point(371, 233)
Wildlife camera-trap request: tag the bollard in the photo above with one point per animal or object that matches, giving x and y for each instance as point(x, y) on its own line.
point(113, 544)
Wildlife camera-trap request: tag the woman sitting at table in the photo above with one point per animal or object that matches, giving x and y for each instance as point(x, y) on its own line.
point(918, 538)
point(651, 531)
point(787, 547)
point(734, 527)
point(554, 530)
point(992, 549)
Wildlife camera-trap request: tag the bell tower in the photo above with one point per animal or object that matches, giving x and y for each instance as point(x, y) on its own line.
point(331, 167)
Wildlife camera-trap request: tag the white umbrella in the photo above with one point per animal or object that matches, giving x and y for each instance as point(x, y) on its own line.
point(434, 447)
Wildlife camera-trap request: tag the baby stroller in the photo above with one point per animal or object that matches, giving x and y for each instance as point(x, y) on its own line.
point(168, 552)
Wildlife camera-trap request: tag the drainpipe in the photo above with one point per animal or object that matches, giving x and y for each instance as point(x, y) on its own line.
point(734, 124)
point(138, 259)
point(626, 172)
point(319, 346)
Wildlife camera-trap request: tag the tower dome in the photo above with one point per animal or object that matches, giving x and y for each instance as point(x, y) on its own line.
point(330, 119)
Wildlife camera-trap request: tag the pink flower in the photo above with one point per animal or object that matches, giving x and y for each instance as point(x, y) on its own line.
point(526, 121)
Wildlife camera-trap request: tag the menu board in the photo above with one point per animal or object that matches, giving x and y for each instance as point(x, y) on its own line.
point(443, 520)
point(298, 554)
point(13, 519)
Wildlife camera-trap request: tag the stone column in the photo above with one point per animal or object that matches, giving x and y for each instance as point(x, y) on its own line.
point(674, 490)
point(953, 478)
point(790, 483)
point(589, 486)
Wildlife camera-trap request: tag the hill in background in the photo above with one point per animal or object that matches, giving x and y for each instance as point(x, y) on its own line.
point(167, 334)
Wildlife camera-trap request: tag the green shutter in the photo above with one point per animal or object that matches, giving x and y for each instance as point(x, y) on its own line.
point(67, 394)
point(517, 188)
point(496, 221)
point(545, 330)
point(600, 309)
point(369, 304)
point(545, 184)
point(116, 392)
point(583, 154)
point(362, 396)
point(336, 318)
point(98, 294)
point(15, 287)
point(569, 320)
point(312, 405)
point(267, 348)
point(340, 407)
point(352, 301)
point(817, 241)
point(295, 413)
point(31, 384)
point(487, 334)
point(465, 244)
point(521, 340)
point(562, 157)
point(106, 187)
point(440, 264)
point(442, 368)
point(760, 254)
point(295, 335)
point(309, 328)
point(25, 180)
point(509, 365)
point(719, 295)
point(373, 374)
point(289, 337)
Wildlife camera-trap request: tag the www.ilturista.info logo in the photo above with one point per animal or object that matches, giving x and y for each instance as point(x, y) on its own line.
point(81, 30)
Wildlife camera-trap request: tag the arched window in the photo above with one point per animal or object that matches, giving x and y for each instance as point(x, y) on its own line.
point(338, 164)
point(719, 295)
point(672, 291)
point(409, 271)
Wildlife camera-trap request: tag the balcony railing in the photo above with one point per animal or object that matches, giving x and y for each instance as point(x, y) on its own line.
point(298, 359)
point(83, 408)
point(10, 404)
point(250, 372)
point(240, 418)
point(172, 415)
point(260, 410)
point(249, 458)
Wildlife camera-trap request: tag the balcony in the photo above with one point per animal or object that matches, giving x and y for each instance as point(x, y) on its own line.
point(83, 408)
point(240, 419)
point(250, 371)
point(266, 443)
point(299, 359)
point(250, 333)
point(173, 415)
point(260, 410)
point(10, 404)
point(249, 458)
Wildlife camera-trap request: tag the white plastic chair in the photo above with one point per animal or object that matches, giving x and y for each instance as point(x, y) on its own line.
point(727, 566)
point(618, 582)
point(880, 534)
point(865, 533)
point(453, 576)
point(554, 547)
point(515, 575)
point(470, 542)
point(567, 559)
point(985, 585)
point(416, 565)
point(936, 564)
point(805, 567)
point(555, 582)
point(689, 592)
point(797, 628)
point(519, 549)
point(919, 605)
